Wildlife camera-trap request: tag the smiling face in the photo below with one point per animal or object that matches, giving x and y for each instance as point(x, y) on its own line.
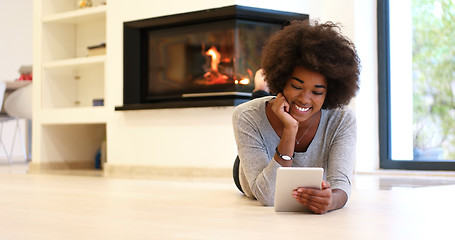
point(305, 92)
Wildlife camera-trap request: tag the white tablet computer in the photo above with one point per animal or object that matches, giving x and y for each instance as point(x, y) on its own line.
point(290, 178)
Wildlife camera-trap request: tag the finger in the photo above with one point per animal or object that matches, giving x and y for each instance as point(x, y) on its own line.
point(286, 106)
point(281, 103)
point(278, 101)
point(311, 195)
point(314, 202)
point(325, 185)
point(311, 199)
point(280, 96)
point(314, 206)
point(315, 192)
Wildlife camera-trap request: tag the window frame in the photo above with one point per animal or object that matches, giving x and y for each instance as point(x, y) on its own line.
point(385, 104)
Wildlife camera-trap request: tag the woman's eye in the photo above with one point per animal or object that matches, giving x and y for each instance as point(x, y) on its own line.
point(295, 86)
point(318, 93)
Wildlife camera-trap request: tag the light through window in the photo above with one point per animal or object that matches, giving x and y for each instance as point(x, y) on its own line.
point(419, 82)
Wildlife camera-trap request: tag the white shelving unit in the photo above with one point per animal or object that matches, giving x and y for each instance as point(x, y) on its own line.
point(68, 128)
point(84, 15)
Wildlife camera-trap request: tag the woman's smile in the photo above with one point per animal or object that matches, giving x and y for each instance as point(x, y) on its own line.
point(302, 109)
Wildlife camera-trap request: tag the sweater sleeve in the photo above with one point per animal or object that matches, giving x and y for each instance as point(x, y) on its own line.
point(341, 158)
point(256, 163)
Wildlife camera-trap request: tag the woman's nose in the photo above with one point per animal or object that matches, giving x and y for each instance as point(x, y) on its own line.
point(304, 97)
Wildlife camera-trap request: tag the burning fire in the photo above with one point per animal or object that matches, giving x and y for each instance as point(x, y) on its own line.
point(244, 81)
point(216, 58)
point(214, 76)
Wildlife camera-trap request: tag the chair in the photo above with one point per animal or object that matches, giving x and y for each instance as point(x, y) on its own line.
point(3, 118)
point(18, 105)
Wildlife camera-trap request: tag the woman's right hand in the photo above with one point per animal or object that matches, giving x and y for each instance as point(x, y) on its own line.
point(281, 109)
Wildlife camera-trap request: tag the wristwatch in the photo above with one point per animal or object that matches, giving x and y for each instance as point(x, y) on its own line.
point(284, 157)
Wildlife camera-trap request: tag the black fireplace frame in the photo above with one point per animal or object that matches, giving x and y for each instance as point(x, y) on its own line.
point(134, 94)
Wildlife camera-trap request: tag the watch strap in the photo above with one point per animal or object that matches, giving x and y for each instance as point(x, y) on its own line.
point(284, 157)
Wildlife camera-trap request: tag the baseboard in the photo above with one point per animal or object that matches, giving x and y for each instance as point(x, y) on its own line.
point(417, 173)
point(43, 166)
point(128, 171)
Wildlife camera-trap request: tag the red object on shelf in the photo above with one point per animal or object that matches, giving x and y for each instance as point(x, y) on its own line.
point(26, 77)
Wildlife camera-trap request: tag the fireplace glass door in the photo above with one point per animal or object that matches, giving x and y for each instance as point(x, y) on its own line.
point(212, 59)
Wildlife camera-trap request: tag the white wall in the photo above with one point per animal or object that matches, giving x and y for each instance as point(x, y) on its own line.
point(199, 137)
point(366, 103)
point(16, 22)
point(16, 19)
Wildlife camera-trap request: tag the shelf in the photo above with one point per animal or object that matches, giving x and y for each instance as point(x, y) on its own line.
point(73, 83)
point(68, 80)
point(75, 62)
point(78, 16)
point(77, 115)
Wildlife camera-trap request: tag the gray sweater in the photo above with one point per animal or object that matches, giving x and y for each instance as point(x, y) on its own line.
point(333, 148)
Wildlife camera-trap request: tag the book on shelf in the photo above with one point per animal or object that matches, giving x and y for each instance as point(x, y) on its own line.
point(96, 50)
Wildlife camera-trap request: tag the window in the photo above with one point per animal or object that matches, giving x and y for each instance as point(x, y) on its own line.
point(416, 54)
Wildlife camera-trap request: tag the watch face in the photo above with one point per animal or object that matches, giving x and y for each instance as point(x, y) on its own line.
point(284, 157)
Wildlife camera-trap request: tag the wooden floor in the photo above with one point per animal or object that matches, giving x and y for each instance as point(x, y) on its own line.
point(65, 206)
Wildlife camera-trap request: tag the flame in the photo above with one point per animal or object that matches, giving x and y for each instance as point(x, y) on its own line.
point(216, 57)
point(213, 76)
point(244, 81)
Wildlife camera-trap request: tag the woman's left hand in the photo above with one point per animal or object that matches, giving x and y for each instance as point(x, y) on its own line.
point(317, 200)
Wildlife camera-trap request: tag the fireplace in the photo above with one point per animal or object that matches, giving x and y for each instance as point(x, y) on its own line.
point(197, 59)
